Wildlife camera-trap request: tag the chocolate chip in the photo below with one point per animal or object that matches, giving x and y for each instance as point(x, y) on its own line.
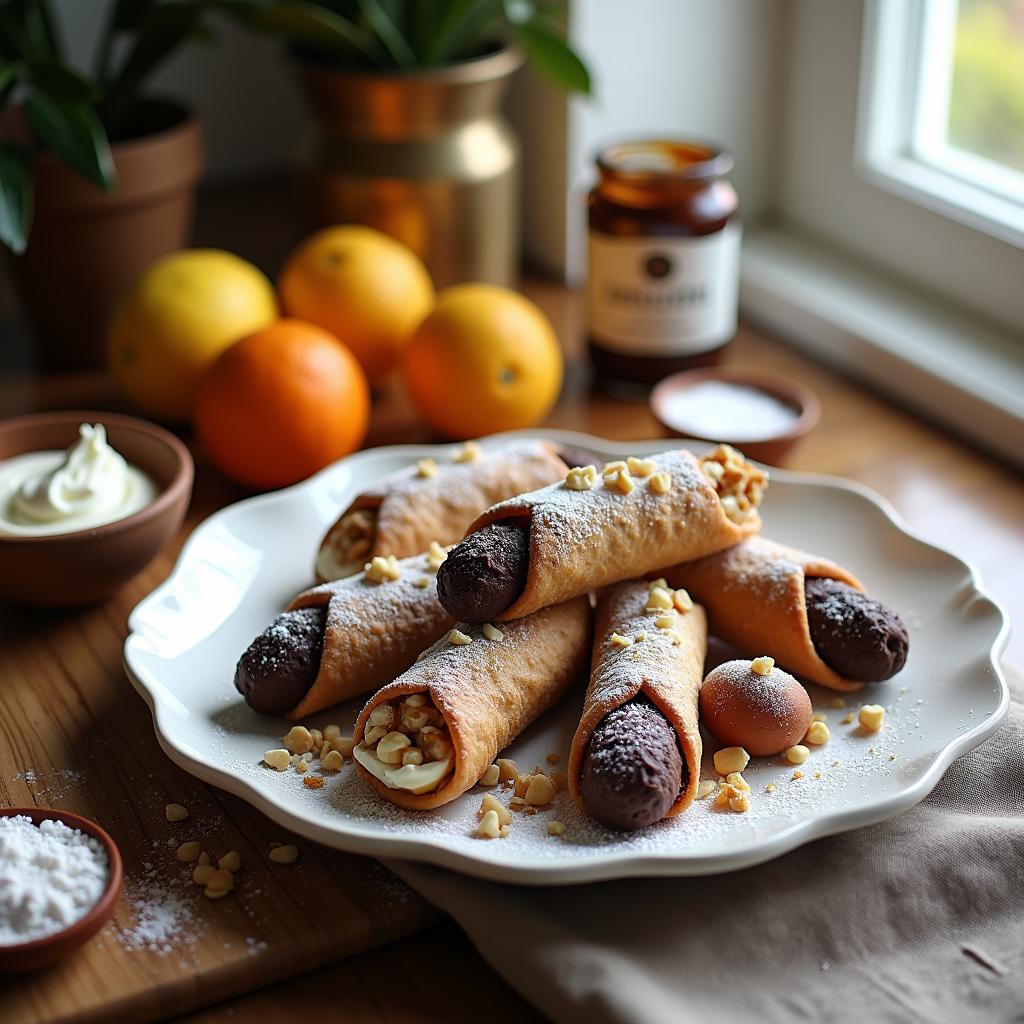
point(485, 573)
point(279, 667)
point(854, 634)
point(633, 769)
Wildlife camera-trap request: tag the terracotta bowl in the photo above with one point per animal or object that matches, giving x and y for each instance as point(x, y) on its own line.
point(28, 956)
point(772, 448)
point(66, 570)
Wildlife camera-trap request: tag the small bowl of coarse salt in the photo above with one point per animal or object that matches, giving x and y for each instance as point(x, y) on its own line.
point(763, 416)
point(60, 876)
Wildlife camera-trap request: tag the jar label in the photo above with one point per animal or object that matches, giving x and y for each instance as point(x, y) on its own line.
point(663, 296)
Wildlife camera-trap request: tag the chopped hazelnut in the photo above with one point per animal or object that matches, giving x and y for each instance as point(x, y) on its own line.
point(175, 812)
point(665, 621)
point(736, 780)
point(817, 717)
point(492, 632)
point(580, 478)
point(287, 854)
point(459, 639)
point(490, 776)
point(373, 735)
point(762, 666)
point(796, 754)
point(731, 759)
point(797, 775)
point(615, 640)
point(435, 744)
point(492, 803)
point(847, 718)
point(298, 740)
point(204, 858)
point(313, 782)
point(871, 717)
point(231, 861)
point(412, 756)
point(640, 467)
point(188, 852)
point(659, 600)
point(522, 783)
point(215, 894)
point(221, 879)
point(682, 600)
point(611, 468)
point(770, 788)
point(426, 468)
point(837, 702)
point(556, 828)
point(383, 715)
point(302, 767)
point(489, 827)
point(619, 481)
point(507, 769)
point(553, 758)
point(540, 791)
point(660, 483)
point(435, 556)
point(469, 452)
point(517, 802)
point(739, 803)
point(343, 745)
point(422, 582)
point(559, 781)
point(391, 746)
point(659, 584)
point(332, 732)
point(317, 736)
point(705, 789)
point(817, 734)
point(202, 872)
point(383, 568)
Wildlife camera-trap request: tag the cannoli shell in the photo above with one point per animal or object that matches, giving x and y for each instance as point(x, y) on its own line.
point(583, 540)
point(754, 596)
point(373, 631)
point(489, 691)
point(413, 510)
point(666, 666)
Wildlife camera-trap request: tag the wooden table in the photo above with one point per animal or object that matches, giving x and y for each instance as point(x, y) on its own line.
point(74, 733)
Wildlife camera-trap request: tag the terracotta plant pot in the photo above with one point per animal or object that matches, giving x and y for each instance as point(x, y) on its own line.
point(424, 156)
point(87, 247)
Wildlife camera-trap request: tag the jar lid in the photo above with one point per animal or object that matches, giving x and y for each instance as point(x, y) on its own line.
point(665, 160)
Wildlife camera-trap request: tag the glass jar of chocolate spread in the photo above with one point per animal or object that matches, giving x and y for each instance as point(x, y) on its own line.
point(664, 244)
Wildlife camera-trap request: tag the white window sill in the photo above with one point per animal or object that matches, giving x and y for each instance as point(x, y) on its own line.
point(952, 370)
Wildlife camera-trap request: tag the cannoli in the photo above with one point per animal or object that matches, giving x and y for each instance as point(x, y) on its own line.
point(427, 737)
point(811, 615)
point(635, 757)
point(342, 639)
point(599, 527)
point(431, 501)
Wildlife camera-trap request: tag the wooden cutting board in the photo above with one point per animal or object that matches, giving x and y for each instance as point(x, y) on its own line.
point(75, 735)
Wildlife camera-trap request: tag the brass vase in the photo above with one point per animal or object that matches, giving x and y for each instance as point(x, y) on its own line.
point(425, 156)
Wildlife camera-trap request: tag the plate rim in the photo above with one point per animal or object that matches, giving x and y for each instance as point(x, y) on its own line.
point(598, 866)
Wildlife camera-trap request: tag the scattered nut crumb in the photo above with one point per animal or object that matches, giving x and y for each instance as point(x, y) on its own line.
point(837, 702)
point(666, 621)
point(770, 788)
point(426, 468)
point(435, 556)
point(705, 789)
point(459, 639)
point(299, 740)
point(422, 582)
point(682, 600)
point(507, 769)
point(731, 759)
point(553, 758)
point(489, 827)
point(817, 717)
point(616, 640)
point(302, 767)
point(469, 452)
point(204, 858)
point(763, 665)
point(556, 828)
point(175, 812)
point(277, 759)
point(580, 478)
point(493, 804)
point(490, 776)
point(188, 852)
point(231, 861)
point(492, 632)
point(287, 854)
point(343, 745)
point(871, 717)
point(382, 568)
point(313, 782)
point(640, 467)
point(796, 754)
point(201, 874)
point(818, 734)
point(892, 757)
point(540, 791)
point(659, 600)
point(660, 483)
point(797, 775)
point(736, 780)
point(848, 718)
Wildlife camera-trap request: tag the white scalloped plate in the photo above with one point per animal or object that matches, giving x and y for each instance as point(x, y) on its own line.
point(242, 565)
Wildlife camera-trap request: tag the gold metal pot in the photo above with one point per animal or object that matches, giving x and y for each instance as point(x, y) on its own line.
point(424, 156)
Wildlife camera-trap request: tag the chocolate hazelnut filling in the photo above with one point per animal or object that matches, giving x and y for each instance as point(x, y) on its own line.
point(633, 769)
point(855, 635)
point(281, 664)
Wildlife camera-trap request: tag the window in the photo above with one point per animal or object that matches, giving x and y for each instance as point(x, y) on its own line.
point(941, 118)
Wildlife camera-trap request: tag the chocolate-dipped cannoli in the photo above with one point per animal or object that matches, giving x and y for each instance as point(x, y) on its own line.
point(433, 500)
point(598, 527)
point(635, 757)
point(427, 737)
point(811, 615)
point(342, 639)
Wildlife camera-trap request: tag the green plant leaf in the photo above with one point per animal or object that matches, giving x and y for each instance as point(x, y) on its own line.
point(15, 196)
point(463, 22)
point(387, 31)
point(61, 81)
point(554, 58)
point(314, 25)
point(72, 130)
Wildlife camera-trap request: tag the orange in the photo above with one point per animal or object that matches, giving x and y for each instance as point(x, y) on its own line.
point(282, 403)
point(177, 318)
point(362, 286)
point(485, 359)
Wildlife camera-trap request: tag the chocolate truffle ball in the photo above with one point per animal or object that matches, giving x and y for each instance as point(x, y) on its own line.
point(632, 770)
point(485, 572)
point(764, 714)
point(279, 667)
point(855, 635)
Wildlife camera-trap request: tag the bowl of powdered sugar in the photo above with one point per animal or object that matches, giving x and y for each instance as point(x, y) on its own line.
point(60, 876)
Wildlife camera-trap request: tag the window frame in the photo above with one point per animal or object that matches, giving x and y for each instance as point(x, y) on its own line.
point(905, 154)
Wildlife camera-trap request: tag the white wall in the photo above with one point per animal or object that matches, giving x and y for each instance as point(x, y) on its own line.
point(252, 111)
point(684, 68)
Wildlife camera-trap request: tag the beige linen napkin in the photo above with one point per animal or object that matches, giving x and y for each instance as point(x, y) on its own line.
point(920, 918)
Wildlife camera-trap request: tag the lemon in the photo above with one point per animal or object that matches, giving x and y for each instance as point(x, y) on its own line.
point(177, 318)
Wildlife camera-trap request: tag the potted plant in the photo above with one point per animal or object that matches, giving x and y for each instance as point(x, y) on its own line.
point(97, 178)
point(412, 140)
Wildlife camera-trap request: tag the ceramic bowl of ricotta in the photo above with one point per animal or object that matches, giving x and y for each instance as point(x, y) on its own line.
point(60, 877)
point(87, 499)
point(761, 415)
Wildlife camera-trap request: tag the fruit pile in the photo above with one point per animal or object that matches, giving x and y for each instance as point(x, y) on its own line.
point(278, 385)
